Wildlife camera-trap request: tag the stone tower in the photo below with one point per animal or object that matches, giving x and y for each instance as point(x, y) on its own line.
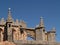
point(39, 30)
point(52, 35)
point(8, 27)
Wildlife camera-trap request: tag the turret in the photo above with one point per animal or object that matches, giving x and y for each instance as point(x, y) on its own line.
point(23, 24)
point(17, 22)
point(8, 27)
point(2, 21)
point(40, 29)
point(52, 35)
point(53, 29)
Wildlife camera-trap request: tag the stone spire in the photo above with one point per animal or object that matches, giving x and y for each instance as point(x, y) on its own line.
point(9, 19)
point(41, 22)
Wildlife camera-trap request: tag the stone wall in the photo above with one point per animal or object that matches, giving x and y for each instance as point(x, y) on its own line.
point(35, 43)
point(28, 43)
point(7, 43)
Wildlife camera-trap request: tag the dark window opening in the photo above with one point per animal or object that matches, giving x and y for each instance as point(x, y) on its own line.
point(9, 25)
point(21, 30)
point(20, 25)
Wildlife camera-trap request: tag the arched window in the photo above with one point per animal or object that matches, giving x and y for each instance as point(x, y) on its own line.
point(9, 25)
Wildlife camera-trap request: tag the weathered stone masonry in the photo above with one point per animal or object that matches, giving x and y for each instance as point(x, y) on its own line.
point(16, 31)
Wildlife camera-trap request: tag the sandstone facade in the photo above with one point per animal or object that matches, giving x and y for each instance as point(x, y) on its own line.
point(14, 31)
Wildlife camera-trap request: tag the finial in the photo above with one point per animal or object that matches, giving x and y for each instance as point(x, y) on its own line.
point(53, 29)
point(9, 8)
point(41, 22)
point(9, 19)
point(41, 17)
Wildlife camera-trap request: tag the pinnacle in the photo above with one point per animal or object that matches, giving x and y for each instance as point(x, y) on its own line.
point(9, 19)
point(53, 29)
point(41, 22)
point(9, 8)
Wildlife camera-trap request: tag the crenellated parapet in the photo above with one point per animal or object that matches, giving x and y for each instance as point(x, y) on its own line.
point(23, 24)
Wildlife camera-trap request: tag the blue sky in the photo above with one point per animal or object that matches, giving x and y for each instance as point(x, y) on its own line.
point(31, 10)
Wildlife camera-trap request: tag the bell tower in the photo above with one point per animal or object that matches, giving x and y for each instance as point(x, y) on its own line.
point(8, 27)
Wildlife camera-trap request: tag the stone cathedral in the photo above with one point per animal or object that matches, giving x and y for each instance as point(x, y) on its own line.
point(15, 31)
